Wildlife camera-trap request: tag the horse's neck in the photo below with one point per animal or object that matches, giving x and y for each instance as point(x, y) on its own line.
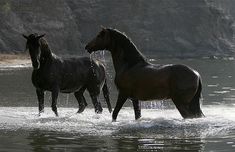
point(118, 60)
point(46, 56)
point(122, 58)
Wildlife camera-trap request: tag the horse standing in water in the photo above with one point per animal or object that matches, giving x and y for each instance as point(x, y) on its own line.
point(137, 79)
point(66, 75)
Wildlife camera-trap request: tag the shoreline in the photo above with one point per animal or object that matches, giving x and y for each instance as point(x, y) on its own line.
point(14, 60)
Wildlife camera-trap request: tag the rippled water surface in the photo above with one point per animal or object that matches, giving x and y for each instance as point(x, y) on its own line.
point(161, 127)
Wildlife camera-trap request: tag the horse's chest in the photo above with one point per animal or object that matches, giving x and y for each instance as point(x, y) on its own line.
point(43, 81)
point(123, 83)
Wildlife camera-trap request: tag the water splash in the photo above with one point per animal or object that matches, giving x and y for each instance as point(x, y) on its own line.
point(92, 65)
point(220, 120)
point(163, 104)
point(100, 55)
point(67, 100)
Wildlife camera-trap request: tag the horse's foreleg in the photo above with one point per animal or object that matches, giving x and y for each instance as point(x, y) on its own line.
point(81, 100)
point(106, 96)
point(54, 95)
point(94, 92)
point(120, 101)
point(40, 95)
point(137, 108)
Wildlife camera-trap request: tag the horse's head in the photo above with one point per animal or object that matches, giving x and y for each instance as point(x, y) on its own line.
point(33, 45)
point(100, 42)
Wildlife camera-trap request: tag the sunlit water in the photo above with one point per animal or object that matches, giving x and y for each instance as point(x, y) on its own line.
point(161, 127)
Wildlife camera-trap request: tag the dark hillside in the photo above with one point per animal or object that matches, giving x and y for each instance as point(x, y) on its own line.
point(162, 27)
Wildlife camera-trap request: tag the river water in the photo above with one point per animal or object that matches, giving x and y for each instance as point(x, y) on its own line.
point(161, 127)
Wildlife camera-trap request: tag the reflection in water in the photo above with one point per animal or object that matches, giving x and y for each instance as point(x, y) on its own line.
point(171, 144)
point(51, 141)
point(68, 142)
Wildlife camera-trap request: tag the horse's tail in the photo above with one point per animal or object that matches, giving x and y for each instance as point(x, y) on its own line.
point(106, 95)
point(194, 105)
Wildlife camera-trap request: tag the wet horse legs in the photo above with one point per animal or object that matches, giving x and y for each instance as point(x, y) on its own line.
point(54, 95)
point(120, 101)
point(81, 100)
point(40, 95)
point(97, 104)
point(106, 96)
point(94, 92)
point(137, 108)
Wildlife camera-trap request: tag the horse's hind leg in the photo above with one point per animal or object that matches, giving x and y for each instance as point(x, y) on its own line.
point(188, 103)
point(194, 105)
point(40, 95)
point(189, 109)
point(137, 108)
point(182, 108)
point(81, 100)
point(54, 95)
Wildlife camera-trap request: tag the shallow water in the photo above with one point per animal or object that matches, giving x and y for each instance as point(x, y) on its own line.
point(161, 127)
point(21, 127)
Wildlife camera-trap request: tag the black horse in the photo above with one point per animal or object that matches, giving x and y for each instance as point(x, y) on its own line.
point(137, 79)
point(66, 75)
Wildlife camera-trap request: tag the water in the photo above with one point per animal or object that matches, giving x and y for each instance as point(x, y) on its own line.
point(161, 127)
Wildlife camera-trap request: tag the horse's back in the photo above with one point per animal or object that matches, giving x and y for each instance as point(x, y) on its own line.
point(73, 72)
point(89, 71)
point(77, 61)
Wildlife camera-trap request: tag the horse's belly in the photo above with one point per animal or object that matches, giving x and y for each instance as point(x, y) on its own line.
point(151, 93)
point(69, 90)
point(146, 92)
point(149, 88)
point(71, 87)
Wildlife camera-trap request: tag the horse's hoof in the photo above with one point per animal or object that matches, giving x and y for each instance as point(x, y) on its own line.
point(39, 114)
point(114, 120)
point(56, 114)
point(137, 118)
point(98, 111)
point(80, 110)
point(110, 110)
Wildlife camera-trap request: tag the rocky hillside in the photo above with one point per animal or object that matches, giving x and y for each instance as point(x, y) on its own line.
point(162, 27)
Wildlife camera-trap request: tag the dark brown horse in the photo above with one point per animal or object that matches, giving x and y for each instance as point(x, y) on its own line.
point(66, 75)
point(137, 79)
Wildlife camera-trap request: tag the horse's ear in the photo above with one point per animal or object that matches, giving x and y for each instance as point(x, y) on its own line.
point(26, 37)
point(102, 27)
point(40, 36)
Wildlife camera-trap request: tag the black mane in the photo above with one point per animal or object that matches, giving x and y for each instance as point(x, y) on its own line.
point(46, 53)
point(132, 54)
